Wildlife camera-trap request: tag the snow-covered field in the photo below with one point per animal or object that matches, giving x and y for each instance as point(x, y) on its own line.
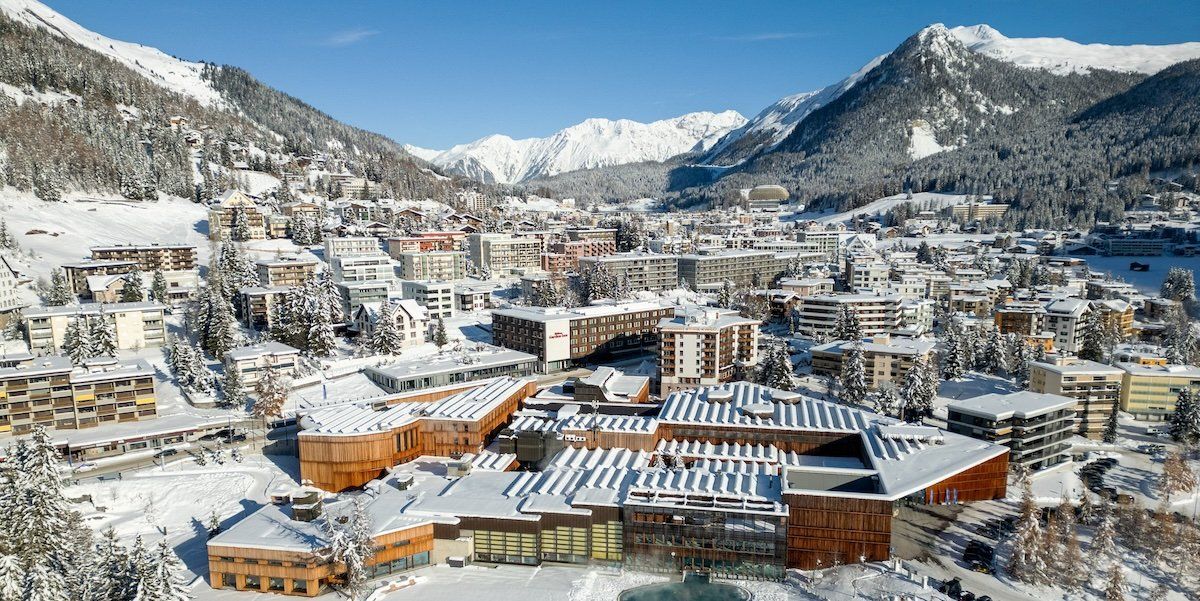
point(62, 232)
point(921, 200)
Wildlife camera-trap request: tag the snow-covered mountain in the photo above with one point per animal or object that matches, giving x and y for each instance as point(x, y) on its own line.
point(155, 65)
point(593, 143)
point(1063, 56)
point(1056, 55)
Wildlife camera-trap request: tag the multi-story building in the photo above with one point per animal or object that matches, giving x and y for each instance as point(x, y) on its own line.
point(251, 361)
point(52, 392)
point(354, 294)
point(877, 313)
point(136, 325)
point(150, 257)
point(1023, 318)
point(1149, 392)
point(436, 297)
point(410, 318)
point(757, 268)
point(257, 304)
point(235, 208)
point(77, 274)
point(444, 265)
point(285, 271)
point(807, 286)
point(426, 242)
point(10, 298)
point(473, 297)
point(500, 252)
point(558, 264)
point(866, 274)
point(1064, 318)
point(1116, 315)
point(374, 267)
point(350, 245)
point(979, 210)
point(480, 363)
point(1096, 388)
point(1035, 427)
point(641, 271)
point(887, 359)
point(704, 347)
point(563, 337)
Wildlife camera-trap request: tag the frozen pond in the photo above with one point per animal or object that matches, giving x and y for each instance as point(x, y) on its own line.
point(1148, 282)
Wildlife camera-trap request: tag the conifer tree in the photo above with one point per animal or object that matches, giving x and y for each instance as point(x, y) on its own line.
point(775, 369)
point(952, 355)
point(1115, 589)
point(1185, 420)
point(439, 335)
point(995, 353)
point(320, 340)
point(166, 579)
point(886, 400)
point(1104, 542)
point(234, 390)
point(854, 375)
point(1028, 560)
point(104, 336)
point(918, 392)
point(1112, 426)
point(1092, 346)
point(59, 294)
point(131, 289)
point(386, 337)
point(77, 340)
point(846, 326)
point(352, 547)
point(272, 391)
point(158, 287)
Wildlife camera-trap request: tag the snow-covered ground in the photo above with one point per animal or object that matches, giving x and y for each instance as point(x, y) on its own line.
point(921, 200)
point(62, 232)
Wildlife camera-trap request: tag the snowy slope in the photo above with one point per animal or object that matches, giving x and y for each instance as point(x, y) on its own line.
point(593, 143)
point(1062, 56)
point(421, 153)
point(167, 71)
point(774, 123)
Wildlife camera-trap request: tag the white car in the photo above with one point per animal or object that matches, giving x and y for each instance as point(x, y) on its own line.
point(84, 467)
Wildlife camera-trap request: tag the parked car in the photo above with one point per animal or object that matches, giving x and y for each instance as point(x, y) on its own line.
point(951, 588)
point(84, 467)
point(166, 453)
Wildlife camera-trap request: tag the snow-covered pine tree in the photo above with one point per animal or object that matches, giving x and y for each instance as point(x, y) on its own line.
point(111, 572)
point(1179, 285)
point(846, 326)
point(158, 287)
point(1115, 589)
point(1185, 420)
point(103, 334)
point(918, 392)
point(233, 390)
point(953, 353)
point(854, 375)
point(77, 340)
point(59, 294)
point(239, 227)
point(1091, 346)
point(321, 341)
point(1112, 426)
point(131, 288)
point(725, 295)
point(439, 334)
point(352, 547)
point(886, 400)
point(1028, 560)
point(271, 393)
point(167, 579)
point(12, 578)
point(43, 584)
point(995, 353)
point(777, 371)
point(1104, 540)
point(386, 337)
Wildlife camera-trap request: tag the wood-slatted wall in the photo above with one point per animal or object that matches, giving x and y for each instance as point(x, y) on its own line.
point(824, 531)
point(986, 481)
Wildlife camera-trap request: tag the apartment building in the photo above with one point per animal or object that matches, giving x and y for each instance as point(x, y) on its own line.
point(1034, 426)
point(150, 257)
point(1064, 319)
point(436, 297)
point(807, 286)
point(77, 274)
point(979, 210)
point(426, 242)
point(558, 264)
point(346, 246)
point(354, 294)
point(257, 304)
point(563, 337)
point(235, 206)
point(642, 271)
point(1149, 392)
point(285, 271)
point(502, 253)
point(757, 268)
point(10, 298)
point(705, 347)
point(444, 265)
point(877, 313)
point(887, 359)
point(1096, 388)
point(1023, 318)
point(1116, 315)
point(374, 267)
point(137, 325)
point(52, 392)
point(410, 318)
point(865, 274)
point(251, 361)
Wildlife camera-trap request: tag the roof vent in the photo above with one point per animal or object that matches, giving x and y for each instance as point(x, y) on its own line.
point(785, 396)
point(720, 396)
point(759, 410)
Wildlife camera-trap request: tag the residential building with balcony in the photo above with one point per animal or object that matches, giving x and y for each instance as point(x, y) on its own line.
point(887, 358)
point(640, 270)
point(877, 313)
point(436, 297)
point(1149, 392)
point(705, 347)
point(443, 265)
point(137, 325)
point(563, 337)
point(251, 361)
point(52, 392)
point(1035, 427)
point(285, 271)
point(1096, 388)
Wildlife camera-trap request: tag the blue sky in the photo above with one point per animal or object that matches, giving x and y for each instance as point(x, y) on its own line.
point(437, 73)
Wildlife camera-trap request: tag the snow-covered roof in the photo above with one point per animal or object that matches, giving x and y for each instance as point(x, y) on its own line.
point(1022, 404)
